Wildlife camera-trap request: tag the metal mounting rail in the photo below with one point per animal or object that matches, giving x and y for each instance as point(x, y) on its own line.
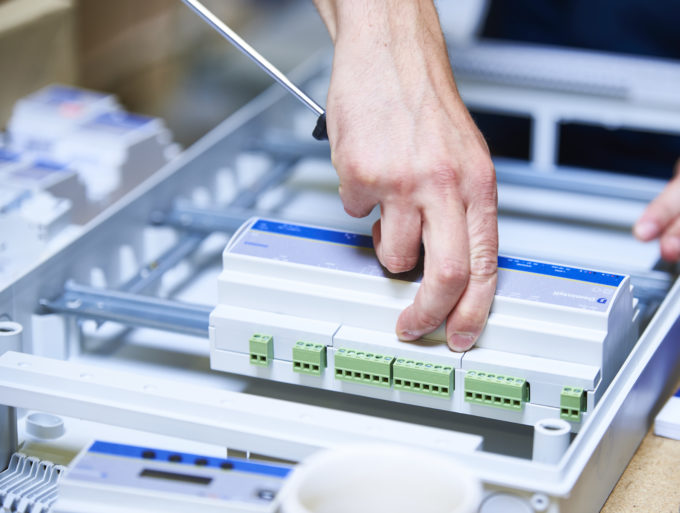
point(208, 221)
point(131, 309)
point(204, 220)
point(248, 197)
point(148, 274)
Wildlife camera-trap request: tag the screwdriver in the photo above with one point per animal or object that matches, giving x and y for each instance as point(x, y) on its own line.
point(209, 17)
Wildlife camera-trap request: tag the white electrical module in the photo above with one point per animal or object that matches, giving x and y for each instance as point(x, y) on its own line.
point(142, 479)
point(314, 307)
point(44, 117)
point(112, 150)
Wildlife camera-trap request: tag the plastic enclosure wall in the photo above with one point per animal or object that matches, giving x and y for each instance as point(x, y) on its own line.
point(548, 351)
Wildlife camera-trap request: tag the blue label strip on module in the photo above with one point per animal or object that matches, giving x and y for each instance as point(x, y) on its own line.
point(319, 234)
point(365, 241)
point(125, 120)
point(677, 393)
point(8, 156)
point(49, 165)
point(57, 94)
point(560, 271)
point(131, 451)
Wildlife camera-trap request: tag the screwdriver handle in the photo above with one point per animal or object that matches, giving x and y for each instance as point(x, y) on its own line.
point(320, 133)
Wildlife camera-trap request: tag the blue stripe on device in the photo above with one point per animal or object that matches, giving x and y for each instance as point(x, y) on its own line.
point(182, 458)
point(365, 241)
point(319, 234)
point(560, 271)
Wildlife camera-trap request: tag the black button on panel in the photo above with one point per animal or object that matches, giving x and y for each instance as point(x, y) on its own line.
point(175, 458)
point(266, 495)
point(149, 455)
point(226, 465)
point(201, 462)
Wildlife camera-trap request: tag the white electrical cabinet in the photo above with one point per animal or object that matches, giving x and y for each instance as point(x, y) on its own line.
point(146, 334)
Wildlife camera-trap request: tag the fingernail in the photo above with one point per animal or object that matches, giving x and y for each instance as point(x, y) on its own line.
point(410, 335)
point(646, 230)
point(462, 341)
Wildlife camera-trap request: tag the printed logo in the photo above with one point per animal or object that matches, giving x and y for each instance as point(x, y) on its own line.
point(602, 300)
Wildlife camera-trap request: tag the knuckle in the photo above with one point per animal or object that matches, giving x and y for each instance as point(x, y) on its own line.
point(352, 207)
point(427, 319)
point(399, 263)
point(401, 183)
point(359, 173)
point(483, 262)
point(355, 205)
point(470, 320)
point(484, 180)
point(444, 176)
point(355, 209)
point(351, 167)
point(452, 272)
point(352, 211)
point(485, 170)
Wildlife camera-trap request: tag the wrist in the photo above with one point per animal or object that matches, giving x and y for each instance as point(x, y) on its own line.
point(386, 21)
point(401, 40)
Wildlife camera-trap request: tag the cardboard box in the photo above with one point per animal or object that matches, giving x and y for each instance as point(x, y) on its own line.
point(36, 48)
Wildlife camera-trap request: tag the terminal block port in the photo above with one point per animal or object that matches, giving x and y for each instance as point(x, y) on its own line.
point(422, 377)
point(492, 389)
point(572, 403)
point(309, 358)
point(261, 349)
point(363, 367)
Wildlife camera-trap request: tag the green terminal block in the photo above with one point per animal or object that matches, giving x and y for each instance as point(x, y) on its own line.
point(363, 367)
point(309, 358)
point(572, 403)
point(261, 349)
point(422, 377)
point(496, 390)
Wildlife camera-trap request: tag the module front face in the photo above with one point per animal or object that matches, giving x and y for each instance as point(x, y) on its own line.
point(313, 306)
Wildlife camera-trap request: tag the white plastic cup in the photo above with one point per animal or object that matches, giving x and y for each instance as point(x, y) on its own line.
point(375, 478)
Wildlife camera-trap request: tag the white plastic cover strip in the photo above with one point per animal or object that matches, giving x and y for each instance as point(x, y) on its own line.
point(240, 421)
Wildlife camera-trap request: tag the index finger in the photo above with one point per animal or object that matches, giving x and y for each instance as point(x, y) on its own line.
point(661, 212)
point(446, 269)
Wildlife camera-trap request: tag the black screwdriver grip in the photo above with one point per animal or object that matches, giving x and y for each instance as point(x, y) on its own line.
point(320, 133)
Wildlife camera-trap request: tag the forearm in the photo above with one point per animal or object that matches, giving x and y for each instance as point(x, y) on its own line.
point(383, 18)
point(405, 31)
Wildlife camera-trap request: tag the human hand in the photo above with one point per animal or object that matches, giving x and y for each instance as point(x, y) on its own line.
point(661, 219)
point(401, 137)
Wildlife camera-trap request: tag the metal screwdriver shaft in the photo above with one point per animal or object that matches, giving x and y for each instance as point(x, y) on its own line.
point(268, 67)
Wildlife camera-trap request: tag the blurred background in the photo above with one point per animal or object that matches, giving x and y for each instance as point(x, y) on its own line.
point(156, 55)
point(160, 59)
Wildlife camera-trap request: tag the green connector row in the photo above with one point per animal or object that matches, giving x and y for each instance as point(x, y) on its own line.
point(261, 349)
point(423, 377)
point(496, 390)
point(572, 403)
point(363, 367)
point(309, 358)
